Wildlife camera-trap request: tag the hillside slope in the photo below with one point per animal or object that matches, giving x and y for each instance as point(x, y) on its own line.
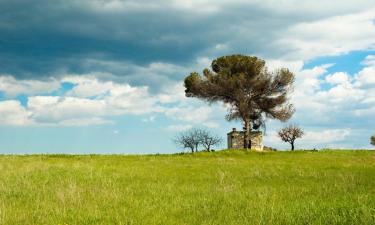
point(228, 187)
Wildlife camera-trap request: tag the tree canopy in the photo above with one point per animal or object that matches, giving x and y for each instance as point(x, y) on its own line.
point(251, 91)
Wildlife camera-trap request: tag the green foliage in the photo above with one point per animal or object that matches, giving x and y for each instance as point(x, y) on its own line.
point(246, 85)
point(372, 140)
point(225, 187)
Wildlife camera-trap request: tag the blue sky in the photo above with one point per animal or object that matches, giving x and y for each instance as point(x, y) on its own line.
point(106, 76)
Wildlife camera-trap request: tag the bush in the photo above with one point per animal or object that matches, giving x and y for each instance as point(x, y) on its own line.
point(266, 148)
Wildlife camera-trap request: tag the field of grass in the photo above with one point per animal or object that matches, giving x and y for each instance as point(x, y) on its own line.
point(228, 187)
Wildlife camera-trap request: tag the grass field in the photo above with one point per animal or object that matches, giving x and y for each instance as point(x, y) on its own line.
point(228, 187)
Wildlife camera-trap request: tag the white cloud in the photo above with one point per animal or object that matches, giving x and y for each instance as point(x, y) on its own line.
point(331, 36)
point(13, 113)
point(84, 122)
point(293, 66)
point(174, 93)
point(195, 113)
point(190, 113)
point(347, 94)
point(343, 94)
point(86, 103)
point(326, 136)
point(55, 109)
point(366, 77)
point(12, 87)
point(304, 96)
point(91, 100)
point(369, 60)
point(333, 114)
point(135, 100)
point(87, 86)
point(338, 78)
point(179, 127)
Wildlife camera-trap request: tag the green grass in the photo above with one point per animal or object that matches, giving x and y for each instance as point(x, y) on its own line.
point(228, 187)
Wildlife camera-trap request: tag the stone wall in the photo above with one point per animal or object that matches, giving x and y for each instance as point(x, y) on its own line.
point(236, 140)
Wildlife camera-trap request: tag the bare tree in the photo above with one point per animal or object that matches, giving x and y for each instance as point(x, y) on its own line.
point(373, 140)
point(190, 139)
point(183, 140)
point(208, 139)
point(290, 133)
point(244, 83)
point(195, 137)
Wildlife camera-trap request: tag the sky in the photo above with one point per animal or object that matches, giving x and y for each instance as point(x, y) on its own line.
point(106, 76)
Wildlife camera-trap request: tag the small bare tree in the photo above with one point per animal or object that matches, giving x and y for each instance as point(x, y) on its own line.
point(189, 139)
point(184, 141)
point(208, 139)
point(194, 137)
point(373, 140)
point(290, 133)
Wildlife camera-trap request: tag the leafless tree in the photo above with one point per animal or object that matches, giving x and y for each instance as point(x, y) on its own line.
point(189, 139)
point(373, 140)
point(244, 83)
point(208, 139)
point(182, 140)
point(195, 137)
point(290, 133)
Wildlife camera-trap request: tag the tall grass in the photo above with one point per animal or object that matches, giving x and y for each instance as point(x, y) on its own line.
point(228, 187)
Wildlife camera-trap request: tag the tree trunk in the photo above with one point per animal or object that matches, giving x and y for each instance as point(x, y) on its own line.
point(247, 139)
point(292, 146)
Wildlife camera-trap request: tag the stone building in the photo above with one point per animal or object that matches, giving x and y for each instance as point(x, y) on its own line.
point(236, 140)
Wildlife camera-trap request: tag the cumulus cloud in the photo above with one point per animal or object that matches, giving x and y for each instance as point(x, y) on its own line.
point(13, 113)
point(54, 109)
point(334, 114)
point(12, 87)
point(366, 78)
point(90, 101)
point(331, 36)
point(345, 93)
point(338, 78)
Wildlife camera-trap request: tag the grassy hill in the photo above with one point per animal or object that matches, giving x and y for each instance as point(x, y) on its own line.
point(228, 187)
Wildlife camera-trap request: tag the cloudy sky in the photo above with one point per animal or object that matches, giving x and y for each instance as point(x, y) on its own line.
point(105, 76)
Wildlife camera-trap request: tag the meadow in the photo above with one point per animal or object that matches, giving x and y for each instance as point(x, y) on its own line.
point(226, 187)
